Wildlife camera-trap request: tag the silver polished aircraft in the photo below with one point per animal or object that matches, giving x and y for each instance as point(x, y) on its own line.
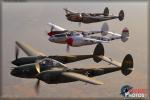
point(82, 38)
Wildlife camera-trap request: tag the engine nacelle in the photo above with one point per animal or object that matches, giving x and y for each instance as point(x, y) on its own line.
point(75, 17)
point(49, 76)
point(77, 41)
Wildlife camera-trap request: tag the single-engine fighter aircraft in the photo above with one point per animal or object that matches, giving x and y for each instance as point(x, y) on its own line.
point(82, 38)
point(52, 71)
point(92, 18)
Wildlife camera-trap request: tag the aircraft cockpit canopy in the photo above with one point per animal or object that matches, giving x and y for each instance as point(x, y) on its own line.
point(60, 35)
point(73, 33)
point(46, 62)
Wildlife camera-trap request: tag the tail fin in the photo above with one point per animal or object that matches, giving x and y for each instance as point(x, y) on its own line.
point(121, 15)
point(127, 65)
point(98, 51)
point(104, 29)
point(106, 11)
point(125, 34)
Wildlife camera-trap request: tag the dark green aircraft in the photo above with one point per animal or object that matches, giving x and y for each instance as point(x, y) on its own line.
point(52, 69)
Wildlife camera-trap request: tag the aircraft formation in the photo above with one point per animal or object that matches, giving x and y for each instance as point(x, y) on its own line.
point(52, 69)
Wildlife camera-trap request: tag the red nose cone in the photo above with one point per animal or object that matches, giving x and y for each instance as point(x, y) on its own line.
point(69, 41)
point(50, 33)
point(125, 30)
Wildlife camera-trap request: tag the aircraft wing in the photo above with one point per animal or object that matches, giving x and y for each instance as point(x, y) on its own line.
point(95, 17)
point(96, 14)
point(29, 50)
point(81, 77)
point(56, 27)
point(88, 32)
point(95, 40)
point(91, 32)
point(110, 61)
point(116, 34)
point(70, 58)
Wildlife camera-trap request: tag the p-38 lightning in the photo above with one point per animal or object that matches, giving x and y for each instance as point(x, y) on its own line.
point(60, 35)
point(52, 69)
point(92, 17)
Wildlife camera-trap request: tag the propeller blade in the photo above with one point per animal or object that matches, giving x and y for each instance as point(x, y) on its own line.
point(16, 52)
point(49, 33)
point(37, 86)
point(68, 48)
point(46, 32)
point(52, 27)
point(37, 66)
point(80, 19)
point(69, 42)
point(79, 24)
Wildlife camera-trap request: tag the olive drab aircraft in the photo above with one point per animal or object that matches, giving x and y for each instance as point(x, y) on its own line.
point(52, 69)
point(92, 17)
point(60, 35)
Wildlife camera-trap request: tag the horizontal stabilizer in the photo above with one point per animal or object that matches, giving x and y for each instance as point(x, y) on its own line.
point(81, 77)
point(126, 66)
point(109, 60)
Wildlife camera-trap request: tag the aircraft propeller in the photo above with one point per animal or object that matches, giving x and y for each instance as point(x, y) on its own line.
point(69, 43)
point(50, 32)
point(37, 85)
point(79, 24)
point(80, 16)
point(16, 52)
point(68, 48)
point(52, 27)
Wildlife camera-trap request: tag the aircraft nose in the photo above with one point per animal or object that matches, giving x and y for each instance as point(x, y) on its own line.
point(67, 15)
point(15, 72)
point(14, 62)
point(51, 39)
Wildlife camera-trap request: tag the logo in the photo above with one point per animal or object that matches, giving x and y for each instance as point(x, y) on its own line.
point(129, 91)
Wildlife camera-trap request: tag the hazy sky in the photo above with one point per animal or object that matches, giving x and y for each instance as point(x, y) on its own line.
point(27, 22)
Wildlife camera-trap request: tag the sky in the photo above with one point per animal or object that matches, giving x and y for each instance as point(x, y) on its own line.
point(27, 22)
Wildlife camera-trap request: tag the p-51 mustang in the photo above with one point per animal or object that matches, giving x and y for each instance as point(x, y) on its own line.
point(81, 38)
point(92, 17)
point(52, 70)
